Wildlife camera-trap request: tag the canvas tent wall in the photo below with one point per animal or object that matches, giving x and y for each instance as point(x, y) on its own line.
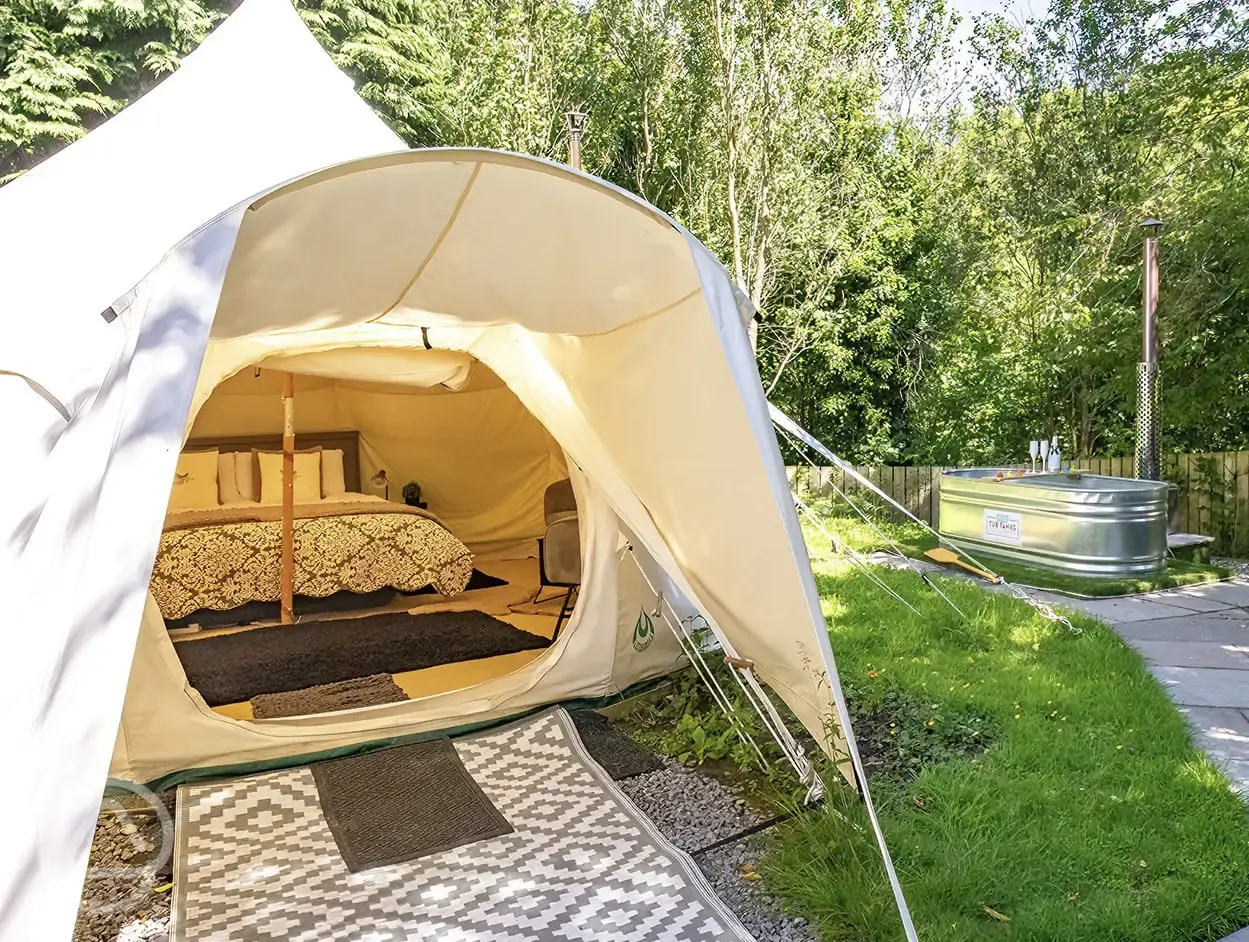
point(479, 456)
point(612, 326)
point(605, 320)
point(257, 103)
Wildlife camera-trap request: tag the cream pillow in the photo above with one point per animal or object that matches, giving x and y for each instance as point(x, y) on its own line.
point(307, 477)
point(333, 482)
point(245, 475)
point(227, 485)
point(195, 481)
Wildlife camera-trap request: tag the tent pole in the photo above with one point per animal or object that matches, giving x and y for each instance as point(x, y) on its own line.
point(288, 498)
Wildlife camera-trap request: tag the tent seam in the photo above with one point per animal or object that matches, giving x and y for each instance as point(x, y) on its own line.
point(662, 310)
point(433, 250)
point(483, 156)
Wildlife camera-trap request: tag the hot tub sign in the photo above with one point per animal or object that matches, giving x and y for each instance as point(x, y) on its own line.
point(1002, 526)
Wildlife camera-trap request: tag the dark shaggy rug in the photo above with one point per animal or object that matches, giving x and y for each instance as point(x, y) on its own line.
point(328, 698)
point(618, 754)
point(236, 667)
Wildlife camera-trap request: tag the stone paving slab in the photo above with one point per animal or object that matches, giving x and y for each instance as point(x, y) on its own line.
point(1237, 770)
point(1224, 734)
point(1195, 653)
point(1226, 719)
point(1233, 592)
point(1121, 611)
point(1187, 601)
point(1230, 627)
point(1204, 686)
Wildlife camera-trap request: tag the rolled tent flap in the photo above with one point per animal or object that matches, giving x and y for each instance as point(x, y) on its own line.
point(400, 366)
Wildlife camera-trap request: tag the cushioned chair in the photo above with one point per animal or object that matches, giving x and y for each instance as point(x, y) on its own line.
point(559, 550)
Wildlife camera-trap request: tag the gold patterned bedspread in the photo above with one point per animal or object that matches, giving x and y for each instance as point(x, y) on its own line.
point(207, 561)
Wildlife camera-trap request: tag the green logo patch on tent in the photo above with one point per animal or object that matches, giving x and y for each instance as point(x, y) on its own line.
point(643, 632)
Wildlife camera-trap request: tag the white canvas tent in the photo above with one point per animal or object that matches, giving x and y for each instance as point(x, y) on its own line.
point(612, 327)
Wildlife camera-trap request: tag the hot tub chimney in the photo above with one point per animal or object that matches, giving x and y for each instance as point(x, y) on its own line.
point(576, 127)
point(1147, 369)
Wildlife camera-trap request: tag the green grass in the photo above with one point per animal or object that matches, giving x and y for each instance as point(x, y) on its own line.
point(914, 541)
point(1035, 784)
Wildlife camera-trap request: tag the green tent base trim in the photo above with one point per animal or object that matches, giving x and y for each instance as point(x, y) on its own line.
point(173, 779)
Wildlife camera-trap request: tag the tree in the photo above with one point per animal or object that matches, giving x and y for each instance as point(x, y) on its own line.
point(941, 275)
point(391, 49)
point(65, 66)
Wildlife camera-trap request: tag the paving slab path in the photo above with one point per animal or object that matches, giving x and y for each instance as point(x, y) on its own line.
point(1196, 642)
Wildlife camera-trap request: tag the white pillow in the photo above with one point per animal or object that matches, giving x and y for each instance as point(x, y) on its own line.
point(195, 481)
point(333, 482)
point(307, 477)
point(245, 476)
point(227, 485)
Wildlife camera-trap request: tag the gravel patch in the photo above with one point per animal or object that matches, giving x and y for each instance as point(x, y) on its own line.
point(1238, 566)
point(693, 811)
point(119, 899)
point(725, 870)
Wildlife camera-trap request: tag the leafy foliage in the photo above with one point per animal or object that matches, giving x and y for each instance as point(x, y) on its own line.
point(390, 48)
point(899, 734)
point(66, 64)
point(946, 266)
point(688, 726)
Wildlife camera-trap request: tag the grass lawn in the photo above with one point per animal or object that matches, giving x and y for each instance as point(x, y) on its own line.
point(1033, 784)
point(914, 541)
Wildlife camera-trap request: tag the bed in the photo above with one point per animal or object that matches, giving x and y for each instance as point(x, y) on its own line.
point(226, 554)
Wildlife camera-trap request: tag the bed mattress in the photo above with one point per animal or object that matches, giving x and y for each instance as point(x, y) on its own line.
point(227, 556)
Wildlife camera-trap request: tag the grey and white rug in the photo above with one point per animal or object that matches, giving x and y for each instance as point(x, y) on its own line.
point(255, 860)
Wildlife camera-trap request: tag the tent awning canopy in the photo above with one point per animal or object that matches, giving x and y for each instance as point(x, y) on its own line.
point(453, 237)
point(616, 328)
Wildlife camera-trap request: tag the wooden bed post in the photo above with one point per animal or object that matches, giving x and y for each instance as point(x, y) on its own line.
point(288, 498)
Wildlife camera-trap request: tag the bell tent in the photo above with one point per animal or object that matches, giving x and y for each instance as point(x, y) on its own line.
point(485, 323)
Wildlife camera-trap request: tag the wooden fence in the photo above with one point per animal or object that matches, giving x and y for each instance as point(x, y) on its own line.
point(1213, 490)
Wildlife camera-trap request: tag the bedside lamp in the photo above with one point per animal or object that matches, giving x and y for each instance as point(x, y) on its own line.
point(380, 480)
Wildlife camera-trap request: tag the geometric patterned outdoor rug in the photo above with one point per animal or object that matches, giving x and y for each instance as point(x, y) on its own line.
point(255, 860)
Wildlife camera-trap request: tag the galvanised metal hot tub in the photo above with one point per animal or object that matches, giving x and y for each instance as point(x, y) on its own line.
point(1081, 523)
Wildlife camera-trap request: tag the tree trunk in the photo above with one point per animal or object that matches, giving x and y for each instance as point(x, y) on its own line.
point(725, 45)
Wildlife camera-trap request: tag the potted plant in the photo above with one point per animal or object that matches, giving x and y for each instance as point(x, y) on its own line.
point(412, 495)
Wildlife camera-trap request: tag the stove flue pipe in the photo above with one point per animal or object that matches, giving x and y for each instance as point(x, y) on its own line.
point(1147, 466)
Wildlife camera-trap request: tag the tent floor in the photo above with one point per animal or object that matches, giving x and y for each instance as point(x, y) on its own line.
point(510, 603)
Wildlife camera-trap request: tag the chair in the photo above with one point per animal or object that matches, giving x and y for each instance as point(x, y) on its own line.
point(559, 550)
